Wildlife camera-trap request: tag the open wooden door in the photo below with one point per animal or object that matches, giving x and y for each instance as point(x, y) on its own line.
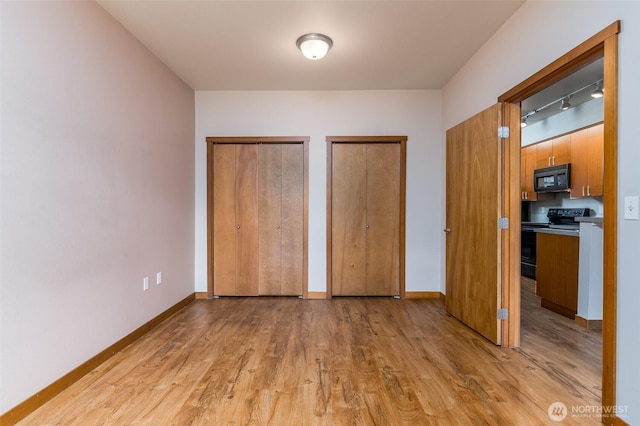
point(474, 206)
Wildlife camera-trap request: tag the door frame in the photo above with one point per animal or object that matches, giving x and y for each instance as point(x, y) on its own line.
point(402, 141)
point(257, 140)
point(603, 44)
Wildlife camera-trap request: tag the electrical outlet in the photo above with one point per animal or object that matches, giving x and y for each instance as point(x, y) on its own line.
point(159, 278)
point(145, 283)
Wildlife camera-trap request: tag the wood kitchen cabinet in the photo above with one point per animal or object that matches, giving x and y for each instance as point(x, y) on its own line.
point(553, 152)
point(528, 156)
point(587, 156)
point(257, 218)
point(557, 273)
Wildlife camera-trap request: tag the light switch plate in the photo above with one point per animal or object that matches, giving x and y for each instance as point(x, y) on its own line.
point(631, 208)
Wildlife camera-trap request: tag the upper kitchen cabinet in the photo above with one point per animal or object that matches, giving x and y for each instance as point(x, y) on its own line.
point(528, 158)
point(587, 154)
point(553, 152)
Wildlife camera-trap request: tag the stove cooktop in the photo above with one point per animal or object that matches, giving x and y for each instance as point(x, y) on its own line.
point(565, 218)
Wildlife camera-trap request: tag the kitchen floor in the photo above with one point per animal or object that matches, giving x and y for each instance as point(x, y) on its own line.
point(571, 345)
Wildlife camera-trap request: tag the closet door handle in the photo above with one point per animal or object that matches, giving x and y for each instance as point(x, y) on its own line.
point(237, 226)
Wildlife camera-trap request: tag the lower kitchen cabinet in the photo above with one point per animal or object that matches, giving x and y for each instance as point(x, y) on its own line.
point(557, 273)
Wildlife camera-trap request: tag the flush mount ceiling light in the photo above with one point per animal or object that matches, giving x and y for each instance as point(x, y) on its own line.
point(314, 45)
point(598, 93)
point(565, 104)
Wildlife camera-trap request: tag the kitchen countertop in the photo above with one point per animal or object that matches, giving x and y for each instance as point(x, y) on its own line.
point(567, 232)
point(590, 219)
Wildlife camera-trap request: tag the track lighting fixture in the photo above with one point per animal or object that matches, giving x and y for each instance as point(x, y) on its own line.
point(598, 92)
point(565, 104)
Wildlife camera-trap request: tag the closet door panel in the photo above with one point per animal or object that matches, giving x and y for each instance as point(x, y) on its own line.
point(292, 219)
point(224, 219)
point(246, 194)
point(270, 207)
point(349, 200)
point(383, 219)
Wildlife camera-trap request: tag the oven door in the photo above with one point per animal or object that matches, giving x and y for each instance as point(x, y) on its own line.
point(528, 253)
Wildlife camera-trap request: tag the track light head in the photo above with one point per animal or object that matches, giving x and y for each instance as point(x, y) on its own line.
point(598, 92)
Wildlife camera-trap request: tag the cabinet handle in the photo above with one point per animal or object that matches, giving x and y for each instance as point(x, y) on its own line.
point(367, 226)
point(277, 226)
point(447, 230)
point(237, 226)
point(588, 190)
point(583, 191)
point(549, 161)
point(553, 160)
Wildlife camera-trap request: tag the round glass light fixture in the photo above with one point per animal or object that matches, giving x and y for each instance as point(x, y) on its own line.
point(314, 45)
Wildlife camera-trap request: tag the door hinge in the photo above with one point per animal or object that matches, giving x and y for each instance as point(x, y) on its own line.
point(503, 223)
point(503, 132)
point(503, 313)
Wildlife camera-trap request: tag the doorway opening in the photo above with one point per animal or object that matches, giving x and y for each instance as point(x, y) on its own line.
point(602, 45)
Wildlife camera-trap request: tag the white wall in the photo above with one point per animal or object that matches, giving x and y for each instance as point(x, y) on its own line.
point(97, 189)
point(537, 34)
point(318, 114)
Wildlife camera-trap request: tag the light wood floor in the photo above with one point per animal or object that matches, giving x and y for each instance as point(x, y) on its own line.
point(347, 361)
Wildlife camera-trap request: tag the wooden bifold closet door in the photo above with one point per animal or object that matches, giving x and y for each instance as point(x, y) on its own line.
point(366, 217)
point(257, 211)
point(235, 220)
point(280, 201)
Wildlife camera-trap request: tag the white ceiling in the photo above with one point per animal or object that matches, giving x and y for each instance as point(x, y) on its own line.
point(250, 45)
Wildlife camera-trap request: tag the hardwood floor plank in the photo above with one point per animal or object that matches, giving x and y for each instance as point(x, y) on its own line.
point(344, 361)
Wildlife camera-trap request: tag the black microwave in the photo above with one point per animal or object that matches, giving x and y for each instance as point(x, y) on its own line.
point(552, 179)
